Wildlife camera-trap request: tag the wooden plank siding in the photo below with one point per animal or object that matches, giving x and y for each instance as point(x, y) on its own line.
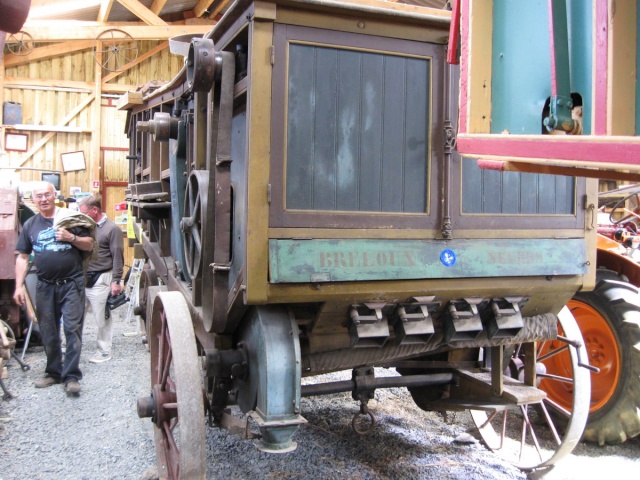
point(49, 88)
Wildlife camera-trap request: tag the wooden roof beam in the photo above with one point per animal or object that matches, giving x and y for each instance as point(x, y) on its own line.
point(65, 32)
point(142, 12)
point(63, 85)
point(217, 8)
point(157, 6)
point(201, 7)
point(49, 51)
point(105, 10)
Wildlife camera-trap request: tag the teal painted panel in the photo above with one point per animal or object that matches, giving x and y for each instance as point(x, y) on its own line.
point(326, 260)
point(521, 72)
point(521, 65)
point(580, 13)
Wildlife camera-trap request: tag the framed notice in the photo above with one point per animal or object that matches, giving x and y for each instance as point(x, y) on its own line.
point(16, 142)
point(73, 161)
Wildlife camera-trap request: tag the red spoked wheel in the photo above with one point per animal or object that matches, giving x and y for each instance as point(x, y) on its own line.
point(176, 405)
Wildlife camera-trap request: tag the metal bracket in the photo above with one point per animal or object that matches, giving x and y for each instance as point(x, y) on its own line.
point(368, 326)
point(463, 320)
point(504, 319)
point(414, 324)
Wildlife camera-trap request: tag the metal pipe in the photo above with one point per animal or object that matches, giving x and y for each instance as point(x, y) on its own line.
point(373, 383)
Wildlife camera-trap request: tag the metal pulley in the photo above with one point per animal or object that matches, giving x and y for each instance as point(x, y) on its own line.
point(204, 65)
point(162, 127)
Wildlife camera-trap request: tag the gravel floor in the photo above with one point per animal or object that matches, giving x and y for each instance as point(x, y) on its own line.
point(46, 435)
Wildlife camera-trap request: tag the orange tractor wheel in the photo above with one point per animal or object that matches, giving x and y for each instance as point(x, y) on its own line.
point(609, 320)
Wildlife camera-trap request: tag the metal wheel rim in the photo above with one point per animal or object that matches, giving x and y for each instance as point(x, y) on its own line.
point(180, 439)
point(563, 441)
point(121, 49)
point(20, 43)
point(195, 207)
point(602, 347)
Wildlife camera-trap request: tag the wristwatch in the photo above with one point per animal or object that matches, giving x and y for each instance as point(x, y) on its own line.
point(73, 239)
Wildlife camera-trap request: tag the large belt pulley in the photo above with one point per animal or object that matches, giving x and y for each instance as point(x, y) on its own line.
point(207, 220)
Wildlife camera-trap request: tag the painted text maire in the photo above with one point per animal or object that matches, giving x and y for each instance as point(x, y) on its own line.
point(367, 259)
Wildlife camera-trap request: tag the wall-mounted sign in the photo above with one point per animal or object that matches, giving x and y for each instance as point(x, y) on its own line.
point(95, 184)
point(72, 161)
point(16, 142)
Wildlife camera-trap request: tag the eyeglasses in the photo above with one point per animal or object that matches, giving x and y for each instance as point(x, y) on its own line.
point(47, 195)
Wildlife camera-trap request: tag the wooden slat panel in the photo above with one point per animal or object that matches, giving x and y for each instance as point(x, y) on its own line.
point(486, 191)
point(356, 120)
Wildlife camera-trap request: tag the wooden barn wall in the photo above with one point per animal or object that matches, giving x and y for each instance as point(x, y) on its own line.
point(46, 104)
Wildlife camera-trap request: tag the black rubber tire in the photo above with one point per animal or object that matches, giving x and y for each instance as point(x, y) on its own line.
point(618, 302)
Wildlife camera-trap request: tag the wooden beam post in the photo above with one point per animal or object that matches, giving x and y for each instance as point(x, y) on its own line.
point(96, 116)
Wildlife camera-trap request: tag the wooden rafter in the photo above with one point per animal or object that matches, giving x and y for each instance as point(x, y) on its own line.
point(50, 51)
point(63, 85)
point(201, 7)
point(217, 7)
point(157, 6)
point(70, 116)
point(18, 82)
point(64, 32)
point(142, 12)
point(105, 10)
point(141, 58)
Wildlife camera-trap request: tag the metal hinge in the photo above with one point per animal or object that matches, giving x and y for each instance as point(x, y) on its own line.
point(269, 194)
point(272, 54)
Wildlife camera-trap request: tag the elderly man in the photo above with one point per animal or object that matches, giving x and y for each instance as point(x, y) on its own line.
point(104, 274)
point(58, 258)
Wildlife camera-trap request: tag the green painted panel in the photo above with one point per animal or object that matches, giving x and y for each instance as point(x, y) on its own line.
point(326, 260)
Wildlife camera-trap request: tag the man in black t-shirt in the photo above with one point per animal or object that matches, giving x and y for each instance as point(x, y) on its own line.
point(60, 289)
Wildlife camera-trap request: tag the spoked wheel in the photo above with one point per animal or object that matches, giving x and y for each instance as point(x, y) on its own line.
point(20, 43)
point(176, 404)
point(192, 224)
point(118, 49)
point(619, 213)
point(539, 434)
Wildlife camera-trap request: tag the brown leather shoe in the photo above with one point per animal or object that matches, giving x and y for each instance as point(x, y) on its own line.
point(46, 382)
point(72, 386)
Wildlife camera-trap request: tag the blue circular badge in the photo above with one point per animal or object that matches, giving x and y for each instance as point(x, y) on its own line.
point(448, 258)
